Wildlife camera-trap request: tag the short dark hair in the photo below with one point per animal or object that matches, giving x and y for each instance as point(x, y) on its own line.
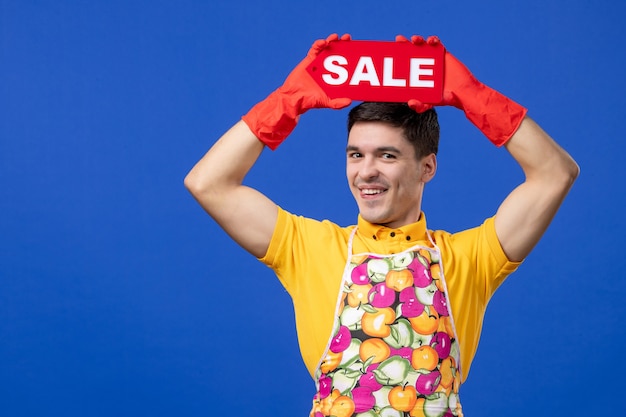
point(420, 129)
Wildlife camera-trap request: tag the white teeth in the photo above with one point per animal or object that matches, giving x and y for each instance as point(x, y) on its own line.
point(371, 191)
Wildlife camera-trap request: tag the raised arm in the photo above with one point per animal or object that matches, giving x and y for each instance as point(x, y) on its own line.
point(216, 181)
point(525, 214)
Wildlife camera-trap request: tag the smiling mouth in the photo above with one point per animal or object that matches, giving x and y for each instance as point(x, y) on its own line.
point(368, 193)
point(371, 191)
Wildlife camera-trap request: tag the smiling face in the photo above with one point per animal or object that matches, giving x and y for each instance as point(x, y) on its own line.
point(386, 179)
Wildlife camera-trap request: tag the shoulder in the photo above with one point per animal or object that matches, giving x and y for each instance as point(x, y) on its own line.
point(309, 227)
point(307, 254)
point(299, 233)
point(481, 237)
point(476, 251)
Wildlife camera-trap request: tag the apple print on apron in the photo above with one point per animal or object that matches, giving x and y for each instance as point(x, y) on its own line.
point(394, 350)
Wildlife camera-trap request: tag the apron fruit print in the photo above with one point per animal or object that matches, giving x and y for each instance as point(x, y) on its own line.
point(394, 350)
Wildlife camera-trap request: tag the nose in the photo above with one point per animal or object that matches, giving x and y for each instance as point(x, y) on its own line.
point(368, 169)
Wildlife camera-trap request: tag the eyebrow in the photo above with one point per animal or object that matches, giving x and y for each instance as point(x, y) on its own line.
point(379, 149)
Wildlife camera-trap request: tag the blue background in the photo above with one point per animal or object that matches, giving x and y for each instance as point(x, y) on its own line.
point(119, 296)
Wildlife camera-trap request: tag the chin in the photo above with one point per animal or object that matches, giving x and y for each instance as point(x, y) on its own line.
point(374, 218)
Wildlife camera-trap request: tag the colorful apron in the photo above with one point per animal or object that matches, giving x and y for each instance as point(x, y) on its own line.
point(394, 350)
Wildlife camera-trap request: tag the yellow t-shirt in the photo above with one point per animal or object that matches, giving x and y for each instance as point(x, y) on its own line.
point(309, 257)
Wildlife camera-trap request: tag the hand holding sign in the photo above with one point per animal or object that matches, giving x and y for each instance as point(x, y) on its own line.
point(273, 119)
point(497, 116)
point(419, 72)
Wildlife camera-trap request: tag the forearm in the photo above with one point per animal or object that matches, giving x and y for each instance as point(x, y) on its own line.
point(549, 171)
point(226, 164)
point(216, 180)
point(539, 155)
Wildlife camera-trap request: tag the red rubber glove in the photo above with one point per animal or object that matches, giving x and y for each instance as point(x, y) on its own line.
point(274, 118)
point(497, 116)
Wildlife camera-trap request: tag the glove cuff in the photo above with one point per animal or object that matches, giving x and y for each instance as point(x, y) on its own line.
point(497, 116)
point(272, 119)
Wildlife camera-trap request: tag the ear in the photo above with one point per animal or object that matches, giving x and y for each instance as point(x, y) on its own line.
point(429, 167)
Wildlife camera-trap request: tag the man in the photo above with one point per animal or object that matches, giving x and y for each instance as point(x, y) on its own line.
point(388, 312)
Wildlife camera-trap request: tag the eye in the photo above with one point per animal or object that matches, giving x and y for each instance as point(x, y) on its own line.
point(354, 155)
point(388, 156)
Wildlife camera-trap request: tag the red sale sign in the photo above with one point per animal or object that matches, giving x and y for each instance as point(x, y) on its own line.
point(380, 71)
